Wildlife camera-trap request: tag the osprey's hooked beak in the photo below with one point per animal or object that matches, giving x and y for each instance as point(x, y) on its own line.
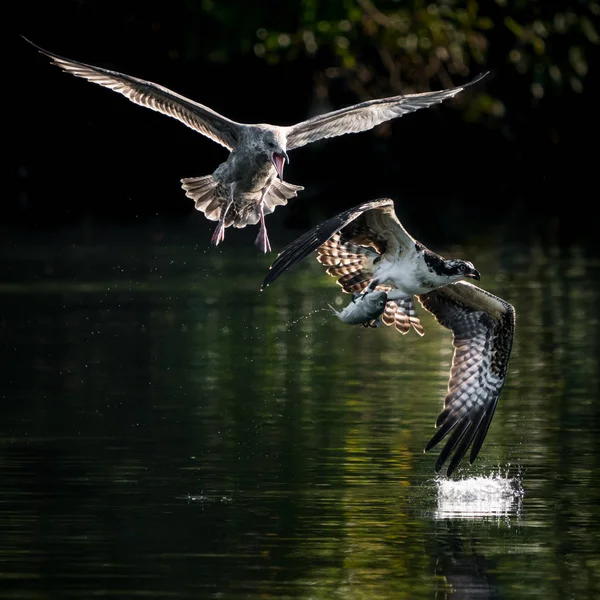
point(473, 274)
point(279, 159)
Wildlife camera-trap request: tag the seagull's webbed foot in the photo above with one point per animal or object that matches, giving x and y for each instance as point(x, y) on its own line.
point(262, 239)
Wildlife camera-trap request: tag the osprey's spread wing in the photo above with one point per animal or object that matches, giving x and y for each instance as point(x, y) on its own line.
point(365, 115)
point(483, 327)
point(156, 97)
point(347, 243)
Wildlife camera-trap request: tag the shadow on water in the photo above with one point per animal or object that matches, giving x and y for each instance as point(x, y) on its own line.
point(170, 431)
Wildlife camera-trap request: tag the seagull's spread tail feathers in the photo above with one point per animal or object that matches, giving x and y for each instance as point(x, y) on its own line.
point(210, 196)
point(202, 190)
point(279, 193)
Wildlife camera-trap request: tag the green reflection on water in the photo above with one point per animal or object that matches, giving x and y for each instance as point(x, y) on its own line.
point(133, 381)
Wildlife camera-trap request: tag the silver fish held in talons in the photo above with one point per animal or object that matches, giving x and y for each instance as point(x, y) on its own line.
point(365, 309)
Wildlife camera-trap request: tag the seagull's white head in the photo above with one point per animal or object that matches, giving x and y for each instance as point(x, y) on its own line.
point(274, 143)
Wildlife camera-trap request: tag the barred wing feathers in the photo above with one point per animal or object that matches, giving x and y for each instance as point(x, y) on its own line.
point(483, 329)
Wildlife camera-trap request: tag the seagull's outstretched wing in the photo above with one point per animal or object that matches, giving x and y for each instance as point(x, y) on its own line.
point(366, 115)
point(483, 326)
point(156, 97)
point(346, 242)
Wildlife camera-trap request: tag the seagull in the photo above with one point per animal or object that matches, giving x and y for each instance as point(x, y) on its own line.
point(367, 249)
point(244, 188)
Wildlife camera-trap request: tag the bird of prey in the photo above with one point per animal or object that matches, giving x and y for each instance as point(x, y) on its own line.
point(244, 188)
point(367, 248)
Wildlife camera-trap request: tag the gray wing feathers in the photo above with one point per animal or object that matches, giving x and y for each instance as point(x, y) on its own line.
point(155, 97)
point(385, 222)
point(366, 115)
point(483, 328)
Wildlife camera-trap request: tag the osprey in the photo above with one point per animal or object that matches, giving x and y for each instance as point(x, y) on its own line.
point(367, 248)
point(245, 188)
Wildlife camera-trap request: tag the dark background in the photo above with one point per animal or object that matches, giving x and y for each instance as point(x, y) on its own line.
point(170, 431)
point(82, 154)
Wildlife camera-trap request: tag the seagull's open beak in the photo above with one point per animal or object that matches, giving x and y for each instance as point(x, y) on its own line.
point(474, 274)
point(279, 159)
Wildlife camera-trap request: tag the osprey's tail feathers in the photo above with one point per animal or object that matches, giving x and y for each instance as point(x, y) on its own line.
point(402, 314)
point(393, 316)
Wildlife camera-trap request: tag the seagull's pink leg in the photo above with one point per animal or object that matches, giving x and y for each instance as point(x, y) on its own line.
point(219, 234)
point(262, 239)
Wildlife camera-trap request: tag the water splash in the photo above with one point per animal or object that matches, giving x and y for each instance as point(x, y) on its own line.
point(496, 496)
point(205, 498)
point(307, 316)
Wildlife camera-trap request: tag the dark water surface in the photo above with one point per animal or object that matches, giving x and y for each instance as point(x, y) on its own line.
point(168, 431)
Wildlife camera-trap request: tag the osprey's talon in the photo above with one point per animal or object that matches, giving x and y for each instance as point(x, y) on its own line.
point(376, 324)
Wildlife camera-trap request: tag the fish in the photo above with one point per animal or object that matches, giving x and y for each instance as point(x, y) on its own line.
point(364, 309)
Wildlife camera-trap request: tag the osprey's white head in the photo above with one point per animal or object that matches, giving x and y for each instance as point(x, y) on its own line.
point(443, 271)
point(456, 270)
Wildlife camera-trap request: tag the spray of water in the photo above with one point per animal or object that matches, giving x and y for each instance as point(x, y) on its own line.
point(205, 498)
point(308, 315)
point(496, 495)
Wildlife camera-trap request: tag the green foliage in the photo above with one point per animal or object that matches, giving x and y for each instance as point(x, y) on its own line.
point(386, 46)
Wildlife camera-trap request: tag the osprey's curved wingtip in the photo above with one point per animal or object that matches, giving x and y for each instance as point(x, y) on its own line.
point(483, 327)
